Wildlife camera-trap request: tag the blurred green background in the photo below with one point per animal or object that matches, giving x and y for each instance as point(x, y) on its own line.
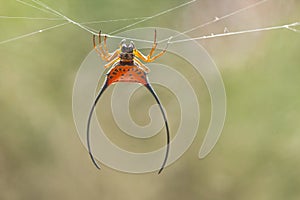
point(257, 156)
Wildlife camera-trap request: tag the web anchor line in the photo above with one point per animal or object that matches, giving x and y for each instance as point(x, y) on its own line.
point(290, 27)
point(63, 16)
point(31, 18)
point(217, 19)
point(35, 7)
point(34, 32)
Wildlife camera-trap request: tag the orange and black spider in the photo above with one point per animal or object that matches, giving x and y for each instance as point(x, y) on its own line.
point(126, 67)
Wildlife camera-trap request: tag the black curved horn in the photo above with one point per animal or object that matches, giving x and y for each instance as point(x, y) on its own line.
point(89, 123)
point(149, 87)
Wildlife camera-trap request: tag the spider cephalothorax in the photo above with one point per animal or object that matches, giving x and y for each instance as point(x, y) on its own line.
point(126, 67)
point(126, 51)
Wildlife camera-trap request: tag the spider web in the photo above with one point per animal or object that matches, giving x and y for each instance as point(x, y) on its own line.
point(65, 20)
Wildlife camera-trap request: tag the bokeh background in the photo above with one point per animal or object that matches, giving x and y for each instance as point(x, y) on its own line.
point(257, 156)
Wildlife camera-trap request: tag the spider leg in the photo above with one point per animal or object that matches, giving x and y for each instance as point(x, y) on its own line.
point(144, 67)
point(100, 50)
point(104, 51)
point(153, 46)
point(105, 46)
point(149, 57)
point(89, 123)
point(105, 55)
point(149, 87)
point(111, 62)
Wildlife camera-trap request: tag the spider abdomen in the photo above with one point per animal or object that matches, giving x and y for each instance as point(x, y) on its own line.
point(126, 73)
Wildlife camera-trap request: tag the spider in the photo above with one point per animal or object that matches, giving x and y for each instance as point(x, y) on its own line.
point(126, 67)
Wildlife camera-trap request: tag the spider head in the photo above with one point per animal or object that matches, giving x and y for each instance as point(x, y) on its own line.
point(127, 48)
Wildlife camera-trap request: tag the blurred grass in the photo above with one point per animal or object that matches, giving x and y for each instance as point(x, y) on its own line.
point(257, 157)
